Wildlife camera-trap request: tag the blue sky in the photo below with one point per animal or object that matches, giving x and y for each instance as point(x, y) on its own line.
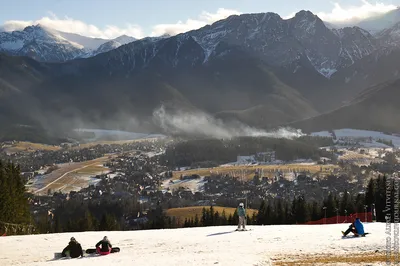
point(110, 18)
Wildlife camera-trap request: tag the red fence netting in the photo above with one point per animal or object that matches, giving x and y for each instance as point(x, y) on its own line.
point(364, 217)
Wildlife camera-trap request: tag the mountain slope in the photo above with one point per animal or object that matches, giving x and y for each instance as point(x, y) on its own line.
point(99, 89)
point(39, 44)
point(49, 45)
point(281, 42)
point(379, 67)
point(256, 68)
point(113, 44)
point(87, 42)
point(374, 109)
point(263, 245)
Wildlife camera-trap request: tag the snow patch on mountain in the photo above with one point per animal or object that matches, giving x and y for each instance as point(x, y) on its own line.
point(13, 45)
point(49, 45)
point(113, 44)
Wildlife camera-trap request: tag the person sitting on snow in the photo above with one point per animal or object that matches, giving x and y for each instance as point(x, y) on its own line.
point(105, 246)
point(242, 216)
point(357, 228)
point(74, 249)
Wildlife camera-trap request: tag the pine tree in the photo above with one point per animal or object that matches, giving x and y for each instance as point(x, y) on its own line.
point(235, 217)
point(370, 193)
point(294, 211)
point(301, 210)
point(268, 214)
point(224, 220)
point(230, 220)
point(344, 203)
point(261, 214)
point(204, 217)
point(88, 222)
point(249, 221)
point(288, 214)
point(212, 216)
point(217, 219)
point(109, 223)
point(330, 204)
point(254, 218)
point(315, 211)
point(14, 206)
point(380, 198)
point(57, 225)
point(279, 212)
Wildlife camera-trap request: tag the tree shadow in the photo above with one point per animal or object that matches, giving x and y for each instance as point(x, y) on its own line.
point(221, 233)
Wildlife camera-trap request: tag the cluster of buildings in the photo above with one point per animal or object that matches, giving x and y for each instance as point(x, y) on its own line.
point(258, 158)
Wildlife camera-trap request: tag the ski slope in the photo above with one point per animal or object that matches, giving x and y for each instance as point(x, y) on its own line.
point(263, 245)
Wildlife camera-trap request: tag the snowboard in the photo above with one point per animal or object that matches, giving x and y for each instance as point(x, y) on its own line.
point(58, 255)
point(351, 236)
point(93, 250)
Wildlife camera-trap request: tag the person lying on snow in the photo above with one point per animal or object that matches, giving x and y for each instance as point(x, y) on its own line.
point(105, 246)
point(357, 228)
point(74, 249)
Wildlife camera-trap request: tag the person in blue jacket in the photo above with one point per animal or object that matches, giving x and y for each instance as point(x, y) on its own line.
point(357, 228)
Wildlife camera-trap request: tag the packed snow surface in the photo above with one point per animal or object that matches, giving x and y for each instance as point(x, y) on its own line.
point(196, 246)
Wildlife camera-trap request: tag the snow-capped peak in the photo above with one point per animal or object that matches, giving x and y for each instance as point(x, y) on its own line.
point(124, 39)
point(45, 44)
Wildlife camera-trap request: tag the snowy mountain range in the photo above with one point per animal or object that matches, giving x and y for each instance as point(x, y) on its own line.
point(258, 69)
point(279, 42)
point(49, 45)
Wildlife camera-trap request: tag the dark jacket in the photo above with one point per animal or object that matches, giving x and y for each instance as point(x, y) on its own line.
point(74, 248)
point(105, 245)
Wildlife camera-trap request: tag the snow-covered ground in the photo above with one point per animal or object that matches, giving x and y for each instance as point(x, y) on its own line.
point(198, 246)
point(194, 185)
point(356, 133)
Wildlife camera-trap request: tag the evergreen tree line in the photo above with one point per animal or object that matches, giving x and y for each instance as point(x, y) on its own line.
point(214, 151)
point(14, 206)
point(76, 216)
point(280, 211)
point(210, 217)
point(299, 210)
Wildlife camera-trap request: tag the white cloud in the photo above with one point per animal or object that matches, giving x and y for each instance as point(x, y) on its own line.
point(71, 25)
point(355, 13)
point(340, 14)
point(191, 24)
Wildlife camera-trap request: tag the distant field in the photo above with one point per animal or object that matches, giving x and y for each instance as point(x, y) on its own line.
point(190, 212)
point(71, 176)
point(248, 171)
point(91, 170)
point(29, 147)
point(108, 142)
